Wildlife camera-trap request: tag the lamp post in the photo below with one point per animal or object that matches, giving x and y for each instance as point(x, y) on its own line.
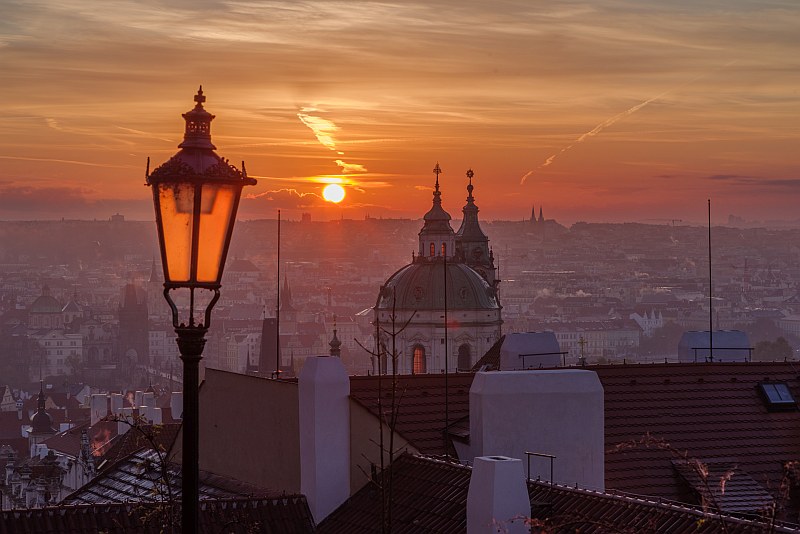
point(196, 195)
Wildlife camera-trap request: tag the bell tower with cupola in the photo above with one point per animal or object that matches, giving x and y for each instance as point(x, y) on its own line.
point(472, 245)
point(436, 239)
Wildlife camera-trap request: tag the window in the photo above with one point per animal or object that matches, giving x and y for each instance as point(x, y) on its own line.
point(777, 396)
point(419, 365)
point(433, 249)
point(464, 357)
point(444, 249)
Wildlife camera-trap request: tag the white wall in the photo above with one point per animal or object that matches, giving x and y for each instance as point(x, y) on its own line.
point(558, 412)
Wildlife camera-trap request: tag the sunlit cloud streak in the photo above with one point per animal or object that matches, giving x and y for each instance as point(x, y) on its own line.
point(323, 129)
point(350, 167)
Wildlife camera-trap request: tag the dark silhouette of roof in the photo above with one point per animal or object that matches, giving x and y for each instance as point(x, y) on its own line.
point(287, 514)
point(430, 495)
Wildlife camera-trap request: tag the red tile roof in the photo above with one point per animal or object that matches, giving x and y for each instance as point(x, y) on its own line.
point(654, 413)
point(430, 496)
point(710, 411)
point(421, 404)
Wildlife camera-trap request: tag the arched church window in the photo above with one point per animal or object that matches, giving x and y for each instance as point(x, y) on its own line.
point(419, 364)
point(444, 249)
point(464, 357)
point(433, 249)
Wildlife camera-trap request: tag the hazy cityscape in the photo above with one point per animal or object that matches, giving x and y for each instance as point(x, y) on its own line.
point(628, 290)
point(438, 267)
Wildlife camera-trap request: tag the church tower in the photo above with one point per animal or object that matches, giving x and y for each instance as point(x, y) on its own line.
point(472, 245)
point(436, 237)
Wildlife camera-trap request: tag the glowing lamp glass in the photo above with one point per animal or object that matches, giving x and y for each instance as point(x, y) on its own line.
point(195, 219)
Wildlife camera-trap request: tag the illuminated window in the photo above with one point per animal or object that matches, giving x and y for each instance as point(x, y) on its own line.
point(444, 249)
point(433, 249)
point(419, 360)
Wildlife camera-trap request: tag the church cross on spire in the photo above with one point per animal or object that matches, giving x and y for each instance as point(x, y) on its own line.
point(437, 171)
point(199, 97)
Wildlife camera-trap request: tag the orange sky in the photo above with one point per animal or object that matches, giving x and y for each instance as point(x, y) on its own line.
point(643, 109)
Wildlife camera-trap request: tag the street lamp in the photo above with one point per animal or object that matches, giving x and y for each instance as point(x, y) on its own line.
point(196, 195)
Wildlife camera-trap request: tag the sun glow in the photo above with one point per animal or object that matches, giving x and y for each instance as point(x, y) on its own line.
point(333, 193)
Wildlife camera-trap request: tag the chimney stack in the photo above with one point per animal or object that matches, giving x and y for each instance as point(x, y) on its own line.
point(553, 412)
point(497, 500)
point(324, 411)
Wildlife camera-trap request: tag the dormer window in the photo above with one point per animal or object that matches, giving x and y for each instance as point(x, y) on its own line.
point(777, 396)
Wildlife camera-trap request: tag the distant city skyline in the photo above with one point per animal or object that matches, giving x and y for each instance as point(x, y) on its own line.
point(612, 111)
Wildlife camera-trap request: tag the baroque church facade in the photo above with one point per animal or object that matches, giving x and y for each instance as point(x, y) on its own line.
point(441, 311)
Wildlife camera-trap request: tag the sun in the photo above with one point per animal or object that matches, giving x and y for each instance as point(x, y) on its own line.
point(333, 193)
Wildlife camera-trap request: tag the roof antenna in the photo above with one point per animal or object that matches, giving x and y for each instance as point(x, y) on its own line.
point(278, 308)
point(710, 293)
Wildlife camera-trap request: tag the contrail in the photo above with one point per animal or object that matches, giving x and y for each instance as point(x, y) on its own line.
point(608, 122)
point(594, 131)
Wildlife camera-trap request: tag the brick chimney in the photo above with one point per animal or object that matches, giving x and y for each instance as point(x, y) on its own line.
point(324, 411)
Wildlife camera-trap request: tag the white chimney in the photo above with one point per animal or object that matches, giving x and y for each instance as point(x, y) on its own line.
point(137, 398)
point(497, 500)
point(126, 419)
point(156, 418)
point(149, 399)
point(555, 412)
point(324, 396)
point(176, 404)
point(99, 407)
point(116, 403)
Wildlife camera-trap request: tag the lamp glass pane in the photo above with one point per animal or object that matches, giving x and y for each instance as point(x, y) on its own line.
point(216, 214)
point(176, 201)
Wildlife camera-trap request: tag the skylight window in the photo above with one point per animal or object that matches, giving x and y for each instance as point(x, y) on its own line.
point(777, 396)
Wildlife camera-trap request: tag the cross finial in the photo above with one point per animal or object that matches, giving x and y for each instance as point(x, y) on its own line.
point(437, 171)
point(470, 174)
point(199, 98)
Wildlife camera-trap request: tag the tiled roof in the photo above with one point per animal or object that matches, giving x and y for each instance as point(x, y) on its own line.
point(430, 496)
point(710, 411)
point(286, 514)
point(491, 360)
point(138, 478)
point(421, 404)
point(135, 440)
point(654, 414)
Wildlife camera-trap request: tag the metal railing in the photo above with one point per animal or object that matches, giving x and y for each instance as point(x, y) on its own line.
point(540, 455)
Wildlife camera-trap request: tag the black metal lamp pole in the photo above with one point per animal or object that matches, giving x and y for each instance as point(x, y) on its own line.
point(196, 196)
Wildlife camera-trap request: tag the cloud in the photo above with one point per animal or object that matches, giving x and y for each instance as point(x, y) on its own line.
point(737, 179)
point(288, 198)
point(28, 198)
point(350, 167)
point(323, 129)
point(594, 131)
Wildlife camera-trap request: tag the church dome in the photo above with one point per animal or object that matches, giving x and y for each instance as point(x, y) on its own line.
point(45, 303)
point(41, 422)
point(420, 286)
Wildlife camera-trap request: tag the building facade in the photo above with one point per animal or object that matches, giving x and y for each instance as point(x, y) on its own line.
point(441, 312)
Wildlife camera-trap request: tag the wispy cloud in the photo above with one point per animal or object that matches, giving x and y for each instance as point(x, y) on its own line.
point(288, 198)
point(324, 129)
point(70, 162)
point(591, 133)
point(350, 167)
